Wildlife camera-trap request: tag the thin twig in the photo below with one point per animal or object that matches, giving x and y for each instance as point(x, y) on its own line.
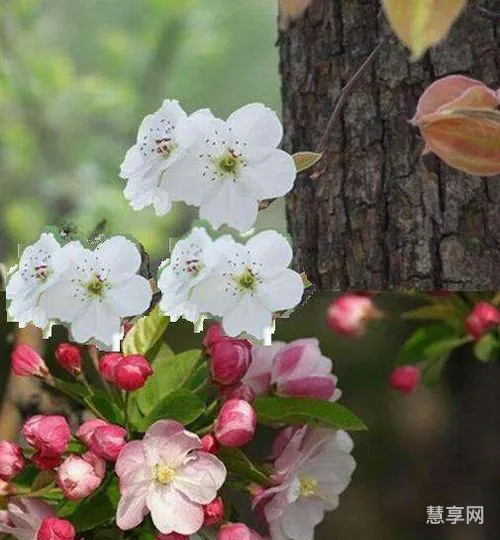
point(492, 15)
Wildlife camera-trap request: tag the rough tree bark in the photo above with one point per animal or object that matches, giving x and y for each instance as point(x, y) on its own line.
point(379, 216)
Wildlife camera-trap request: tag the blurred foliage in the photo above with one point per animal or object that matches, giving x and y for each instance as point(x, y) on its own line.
point(76, 78)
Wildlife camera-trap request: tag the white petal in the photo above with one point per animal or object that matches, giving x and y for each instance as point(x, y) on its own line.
point(271, 177)
point(161, 202)
point(256, 124)
point(132, 507)
point(58, 301)
point(184, 180)
point(97, 323)
point(120, 255)
point(230, 205)
point(201, 478)
point(299, 519)
point(250, 316)
point(283, 292)
point(132, 297)
point(271, 250)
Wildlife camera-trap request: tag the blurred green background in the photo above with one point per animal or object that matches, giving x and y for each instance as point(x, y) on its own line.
point(78, 76)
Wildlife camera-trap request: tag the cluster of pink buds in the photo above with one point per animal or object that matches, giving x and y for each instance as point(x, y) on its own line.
point(350, 314)
point(128, 373)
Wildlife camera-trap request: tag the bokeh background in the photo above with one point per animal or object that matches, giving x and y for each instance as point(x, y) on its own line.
point(76, 78)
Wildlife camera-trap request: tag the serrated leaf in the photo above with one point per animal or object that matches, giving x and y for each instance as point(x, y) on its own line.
point(170, 373)
point(237, 463)
point(145, 333)
point(93, 511)
point(420, 24)
point(305, 160)
point(487, 348)
point(180, 405)
point(314, 412)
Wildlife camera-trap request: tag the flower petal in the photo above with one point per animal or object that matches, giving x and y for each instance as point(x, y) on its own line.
point(167, 441)
point(132, 508)
point(283, 292)
point(271, 250)
point(256, 124)
point(130, 298)
point(120, 255)
point(249, 315)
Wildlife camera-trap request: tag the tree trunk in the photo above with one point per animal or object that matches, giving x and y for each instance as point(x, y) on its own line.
point(379, 216)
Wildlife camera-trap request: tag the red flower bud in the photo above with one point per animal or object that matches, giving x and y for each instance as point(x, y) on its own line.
point(107, 365)
point(53, 528)
point(405, 378)
point(482, 318)
point(238, 391)
point(26, 361)
point(68, 356)
point(230, 360)
point(131, 372)
point(237, 531)
point(212, 335)
point(11, 460)
point(209, 443)
point(213, 512)
point(349, 313)
point(236, 423)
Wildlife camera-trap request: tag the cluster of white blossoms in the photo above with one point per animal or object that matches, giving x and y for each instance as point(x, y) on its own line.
point(243, 284)
point(223, 167)
point(90, 291)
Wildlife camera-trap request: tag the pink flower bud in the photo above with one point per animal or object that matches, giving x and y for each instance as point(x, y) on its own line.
point(107, 365)
point(131, 372)
point(213, 512)
point(53, 528)
point(235, 425)
point(26, 361)
point(209, 443)
point(237, 531)
point(405, 378)
point(349, 314)
point(97, 463)
point(46, 462)
point(212, 335)
point(11, 460)
point(107, 441)
point(87, 429)
point(77, 478)
point(68, 356)
point(482, 318)
point(238, 391)
point(230, 360)
point(171, 536)
point(50, 434)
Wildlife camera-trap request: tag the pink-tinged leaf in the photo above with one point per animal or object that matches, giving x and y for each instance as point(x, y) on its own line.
point(291, 10)
point(455, 92)
point(466, 139)
point(305, 160)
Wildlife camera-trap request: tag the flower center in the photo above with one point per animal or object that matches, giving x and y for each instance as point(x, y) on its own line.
point(230, 163)
point(308, 487)
point(41, 272)
point(165, 147)
point(96, 286)
point(247, 281)
point(193, 267)
point(163, 474)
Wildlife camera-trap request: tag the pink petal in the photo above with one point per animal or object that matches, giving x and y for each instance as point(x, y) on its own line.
point(132, 508)
point(311, 387)
point(130, 458)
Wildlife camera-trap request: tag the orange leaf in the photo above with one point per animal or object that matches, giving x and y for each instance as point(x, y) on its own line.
point(467, 139)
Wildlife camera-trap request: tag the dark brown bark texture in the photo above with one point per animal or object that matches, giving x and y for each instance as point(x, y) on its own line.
point(380, 216)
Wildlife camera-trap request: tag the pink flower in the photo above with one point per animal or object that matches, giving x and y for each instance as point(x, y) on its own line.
point(26, 361)
point(238, 391)
point(295, 369)
point(53, 528)
point(209, 443)
point(49, 434)
point(107, 441)
point(171, 536)
point(107, 365)
point(68, 356)
point(87, 429)
point(24, 517)
point(230, 359)
point(314, 468)
point(168, 475)
point(213, 512)
point(482, 318)
point(405, 379)
point(237, 531)
point(11, 460)
point(78, 478)
point(131, 372)
point(46, 462)
point(212, 335)
point(98, 463)
point(349, 314)
point(235, 425)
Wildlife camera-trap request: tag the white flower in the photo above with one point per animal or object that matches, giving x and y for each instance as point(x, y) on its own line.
point(95, 289)
point(312, 471)
point(146, 163)
point(28, 283)
point(185, 268)
point(232, 165)
point(247, 283)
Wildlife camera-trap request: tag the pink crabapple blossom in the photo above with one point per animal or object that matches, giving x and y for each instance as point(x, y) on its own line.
point(23, 518)
point(87, 429)
point(53, 528)
point(168, 475)
point(236, 423)
point(107, 441)
point(230, 359)
point(132, 372)
point(50, 435)
point(27, 362)
point(237, 531)
point(78, 478)
point(349, 314)
point(11, 460)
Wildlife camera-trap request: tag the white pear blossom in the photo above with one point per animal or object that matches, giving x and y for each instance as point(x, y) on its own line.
point(94, 290)
point(146, 163)
point(32, 277)
point(246, 284)
point(314, 468)
point(231, 165)
point(185, 268)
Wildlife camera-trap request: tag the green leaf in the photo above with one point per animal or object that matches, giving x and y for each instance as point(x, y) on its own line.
point(105, 407)
point(305, 160)
point(145, 333)
point(431, 371)
point(237, 463)
point(415, 348)
point(93, 511)
point(446, 311)
point(74, 390)
point(315, 412)
point(180, 405)
point(487, 348)
point(171, 372)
